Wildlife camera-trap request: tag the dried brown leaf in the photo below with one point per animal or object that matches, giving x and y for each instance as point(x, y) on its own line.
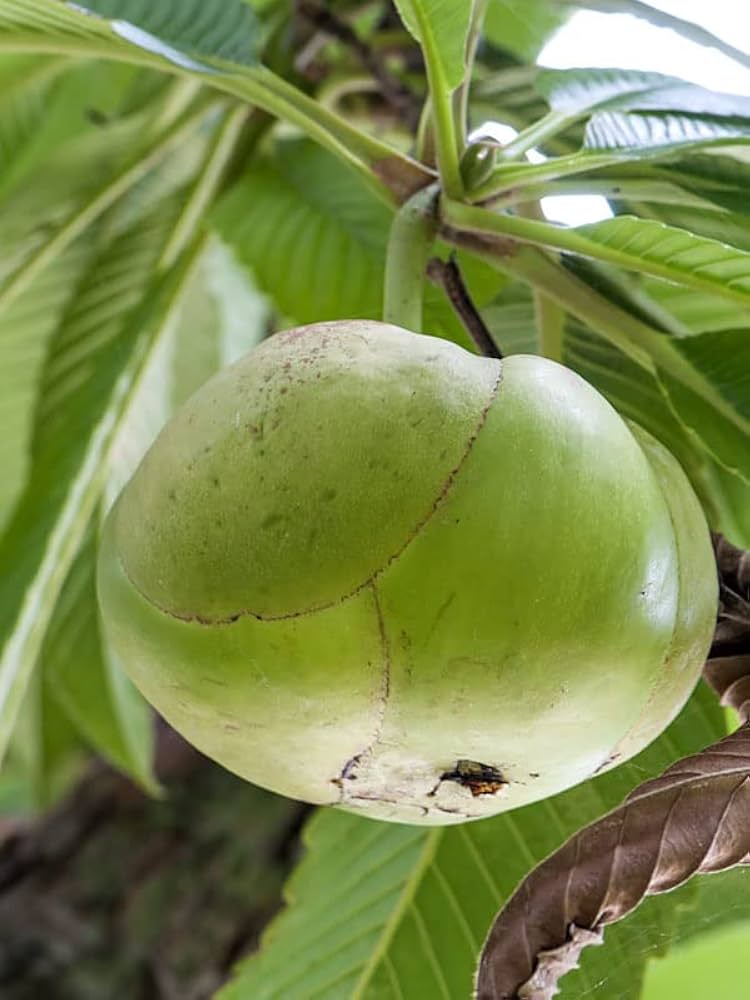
point(694, 818)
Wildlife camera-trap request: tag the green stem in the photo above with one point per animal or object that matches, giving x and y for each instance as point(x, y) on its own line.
point(510, 176)
point(424, 141)
point(661, 192)
point(548, 126)
point(478, 11)
point(409, 244)
point(443, 118)
point(468, 218)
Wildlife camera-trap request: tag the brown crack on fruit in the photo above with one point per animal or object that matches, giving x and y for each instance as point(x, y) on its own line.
point(349, 770)
point(442, 494)
point(480, 779)
point(348, 773)
point(385, 689)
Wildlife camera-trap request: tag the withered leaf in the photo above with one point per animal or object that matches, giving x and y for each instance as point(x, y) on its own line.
point(694, 818)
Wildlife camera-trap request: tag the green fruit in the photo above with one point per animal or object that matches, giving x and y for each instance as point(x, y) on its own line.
point(366, 568)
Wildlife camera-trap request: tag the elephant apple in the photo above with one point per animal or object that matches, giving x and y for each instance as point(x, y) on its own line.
point(366, 568)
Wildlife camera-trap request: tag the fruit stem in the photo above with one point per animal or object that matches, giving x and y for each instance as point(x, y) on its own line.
point(409, 245)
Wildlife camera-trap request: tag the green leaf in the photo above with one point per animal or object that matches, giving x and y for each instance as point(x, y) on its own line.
point(513, 325)
point(51, 26)
point(25, 330)
point(49, 103)
point(315, 239)
point(46, 752)
point(724, 438)
point(512, 90)
point(730, 503)
point(642, 245)
point(707, 966)
point(221, 29)
point(726, 227)
point(723, 180)
point(88, 684)
point(672, 113)
point(662, 251)
point(94, 363)
point(697, 312)
point(311, 233)
point(724, 358)
point(83, 215)
point(657, 134)
point(522, 28)
point(441, 27)
point(25, 83)
point(384, 912)
point(47, 225)
point(55, 186)
point(583, 91)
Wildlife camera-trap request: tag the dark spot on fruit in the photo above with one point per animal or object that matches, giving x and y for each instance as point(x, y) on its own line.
point(96, 117)
point(271, 519)
point(533, 774)
point(329, 494)
point(606, 763)
point(480, 779)
point(348, 771)
point(214, 480)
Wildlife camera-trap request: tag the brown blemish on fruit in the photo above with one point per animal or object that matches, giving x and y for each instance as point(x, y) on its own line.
point(480, 779)
point(350, 768)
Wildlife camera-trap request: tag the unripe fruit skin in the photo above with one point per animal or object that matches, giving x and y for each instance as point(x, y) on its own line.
point(360, 563)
